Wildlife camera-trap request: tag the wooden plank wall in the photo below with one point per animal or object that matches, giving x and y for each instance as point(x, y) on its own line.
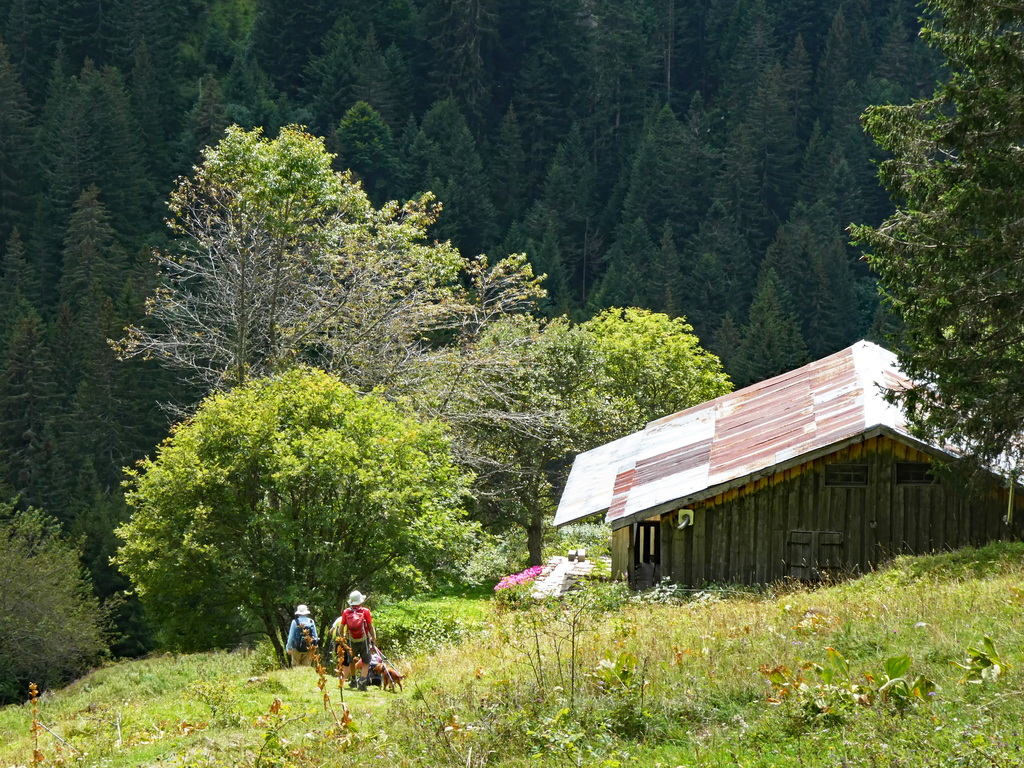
point(622, 551)
point(741, 536)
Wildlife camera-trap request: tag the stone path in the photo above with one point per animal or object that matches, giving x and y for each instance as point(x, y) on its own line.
point(560, 574)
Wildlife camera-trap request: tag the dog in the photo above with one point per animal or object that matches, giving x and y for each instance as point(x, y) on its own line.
point(389, 676)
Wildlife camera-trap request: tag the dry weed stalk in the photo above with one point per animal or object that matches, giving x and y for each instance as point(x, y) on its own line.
point(33, 695)
point(321, 683)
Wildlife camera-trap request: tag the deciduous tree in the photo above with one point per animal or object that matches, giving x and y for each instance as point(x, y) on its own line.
point(51, 627)
point(286, 490)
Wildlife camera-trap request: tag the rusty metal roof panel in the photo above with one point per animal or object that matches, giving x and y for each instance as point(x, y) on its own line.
point(737, 435)
point(591, 482)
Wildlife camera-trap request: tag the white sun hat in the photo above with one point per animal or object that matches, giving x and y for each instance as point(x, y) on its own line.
point(302, 610)
point(356, 598)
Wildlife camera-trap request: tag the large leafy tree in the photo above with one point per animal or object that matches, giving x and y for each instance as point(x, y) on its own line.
point(654, 362)
point(949, 259)
point(281, 260)
point(291, 489)
point(279, 257)
point(566, 389)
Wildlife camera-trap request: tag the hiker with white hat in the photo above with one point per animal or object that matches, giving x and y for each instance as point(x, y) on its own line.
point(354, 633)
point(302, 638)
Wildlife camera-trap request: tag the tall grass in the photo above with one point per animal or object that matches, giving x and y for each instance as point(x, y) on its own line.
point(604, 679)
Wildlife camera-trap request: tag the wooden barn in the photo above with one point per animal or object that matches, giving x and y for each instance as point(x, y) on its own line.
point(804, 475)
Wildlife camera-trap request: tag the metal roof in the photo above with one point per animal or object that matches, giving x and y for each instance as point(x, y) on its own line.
point(699, 452)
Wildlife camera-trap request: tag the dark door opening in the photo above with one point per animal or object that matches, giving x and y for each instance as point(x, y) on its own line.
point(646, 555)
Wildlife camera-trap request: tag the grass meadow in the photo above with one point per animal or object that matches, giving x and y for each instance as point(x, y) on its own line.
point(920, 663)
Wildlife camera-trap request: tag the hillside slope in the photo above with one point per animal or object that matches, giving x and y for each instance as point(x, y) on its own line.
point(784, 677)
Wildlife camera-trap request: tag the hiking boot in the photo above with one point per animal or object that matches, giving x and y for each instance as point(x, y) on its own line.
point(362, 684)
point(353, 682)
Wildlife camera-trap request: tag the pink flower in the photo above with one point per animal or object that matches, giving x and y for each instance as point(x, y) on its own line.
point(523, 577)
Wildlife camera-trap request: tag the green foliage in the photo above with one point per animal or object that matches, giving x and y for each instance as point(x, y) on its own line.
point(592, 537)
point(984, 665)
point(51, 627)
point(617, 111)
point(655, 362)
point(668, 684)
point(517, 597)
point(837, 692)
point(494, 556)
point(948, 258)
point(252, 502)
point(902, 691)
point(220, 695)
point(406, 630)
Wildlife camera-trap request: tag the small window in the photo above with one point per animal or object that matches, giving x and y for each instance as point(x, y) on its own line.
point(914, 473)
point(846, 475)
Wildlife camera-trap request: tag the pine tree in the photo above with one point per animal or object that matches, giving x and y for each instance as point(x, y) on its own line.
point(627, 280)
point(949, 257)
point(746, 53)
point(771, 342)
point(24, 36)
point(90, 138)
point(720, 272)
point(622, 66)
point(566, 208)
point(16, 159)
point(726, 345)
point(331, 76)
point(366, 147)
point(798, 78)
point(835, 68)
point(668, 276)
point(382, 80)
point(809, 258)
point(507, 171)
point(19, 284)
point(668, 177)
point(831, 307)
point(550, 83)
point(461, 34)
point(26, 407)
point(285, 36)
point(205, 123)
point(454, 173)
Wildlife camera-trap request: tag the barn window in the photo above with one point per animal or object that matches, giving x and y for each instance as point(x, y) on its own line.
point(846, 475)
point(914, 473)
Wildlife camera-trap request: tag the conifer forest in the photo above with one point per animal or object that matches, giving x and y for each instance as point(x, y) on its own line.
point(701, 159)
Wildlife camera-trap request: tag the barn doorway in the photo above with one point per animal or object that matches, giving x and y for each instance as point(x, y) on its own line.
point(646, 554)
point(814, 555)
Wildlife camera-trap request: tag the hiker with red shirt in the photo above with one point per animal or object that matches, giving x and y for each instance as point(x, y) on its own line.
point(355, 629)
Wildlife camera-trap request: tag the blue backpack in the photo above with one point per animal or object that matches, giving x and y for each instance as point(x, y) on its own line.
point(302, 645)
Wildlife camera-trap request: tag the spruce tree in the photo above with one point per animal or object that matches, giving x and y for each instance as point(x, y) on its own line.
point(454, 172)
point(27, 404)
point(285, 35)
point(567, 210)
point(461, 35)
point(507, 170)
point(771, 342)
point(16, 159)
point(366, 147)
point(949, 257)
point(627, 281)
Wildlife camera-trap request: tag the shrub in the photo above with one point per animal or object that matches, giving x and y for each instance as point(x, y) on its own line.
point(51, 627)
point(405, 632)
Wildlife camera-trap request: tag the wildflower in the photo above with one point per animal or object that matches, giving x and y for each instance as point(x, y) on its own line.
point(523, 577)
